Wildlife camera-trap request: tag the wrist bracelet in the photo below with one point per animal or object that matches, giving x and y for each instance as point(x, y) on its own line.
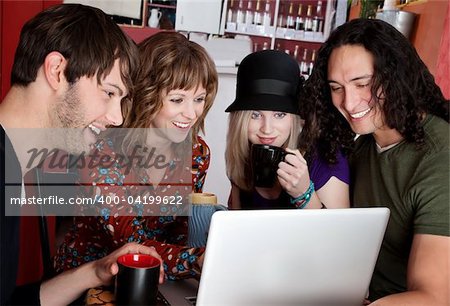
point(303, 200)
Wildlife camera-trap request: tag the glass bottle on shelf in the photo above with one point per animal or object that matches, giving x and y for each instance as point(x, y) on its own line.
point(304, 65)
point(295, 55)
point(281, 19)
point(249, 14)
point(308, 19)
point(267, 18)
point(231, 17)
point(315, 24)
point(318, 19)
point(240, 14)
point(319, 12)
point(311, 63)
point(257, 18)
point(299, 19)
point(290, 21)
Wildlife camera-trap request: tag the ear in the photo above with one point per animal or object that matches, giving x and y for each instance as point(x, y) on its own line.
point(54, 66)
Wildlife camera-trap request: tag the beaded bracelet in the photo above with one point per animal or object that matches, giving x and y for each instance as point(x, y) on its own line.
point(301, 201)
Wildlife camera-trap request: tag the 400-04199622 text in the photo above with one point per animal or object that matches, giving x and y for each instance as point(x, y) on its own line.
point(100, 199)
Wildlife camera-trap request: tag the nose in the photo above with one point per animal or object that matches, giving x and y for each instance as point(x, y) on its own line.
point(350, 100)
point(266, 126)
point(189, 110)
point(114, 113)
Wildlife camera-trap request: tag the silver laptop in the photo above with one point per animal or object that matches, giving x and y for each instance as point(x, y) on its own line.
point(291, 257)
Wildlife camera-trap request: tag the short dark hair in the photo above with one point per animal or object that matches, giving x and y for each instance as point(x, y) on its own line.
point(407, 86)
point(85, 36)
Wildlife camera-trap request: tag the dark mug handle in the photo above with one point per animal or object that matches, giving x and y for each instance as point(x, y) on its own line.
point(285, 153)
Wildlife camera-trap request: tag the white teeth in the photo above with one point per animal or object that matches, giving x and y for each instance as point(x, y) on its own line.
point(360, 114)
point(94, 129)
point(180, 124)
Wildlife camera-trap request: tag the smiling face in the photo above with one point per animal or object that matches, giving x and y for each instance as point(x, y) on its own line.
point(269, 127)
point(86, 107)
point(350, 71)
point(180, 111)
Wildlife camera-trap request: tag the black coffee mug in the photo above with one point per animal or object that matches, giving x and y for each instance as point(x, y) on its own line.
point(137, 280)
point(265, 160)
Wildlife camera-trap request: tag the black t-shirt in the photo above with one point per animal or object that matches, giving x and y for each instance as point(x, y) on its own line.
point(10, 294)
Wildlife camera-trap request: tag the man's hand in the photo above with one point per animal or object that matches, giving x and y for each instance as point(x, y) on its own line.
point(107, 267)
point(68, 286)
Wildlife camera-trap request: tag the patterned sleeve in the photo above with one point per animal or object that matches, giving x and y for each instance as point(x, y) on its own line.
point(86, 241)
point(179, 261)
point(159, 232)
point(168, 234)
point(92, 235)
point(200, 163)
point(95, 237)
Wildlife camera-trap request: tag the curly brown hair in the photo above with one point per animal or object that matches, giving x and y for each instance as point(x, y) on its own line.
point(170, 61)
point(400, 77)
point(325, 129)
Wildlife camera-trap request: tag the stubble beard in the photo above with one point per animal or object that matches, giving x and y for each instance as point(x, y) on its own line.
point(68, 123)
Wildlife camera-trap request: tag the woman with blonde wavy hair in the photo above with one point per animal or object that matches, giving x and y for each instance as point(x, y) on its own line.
point(266, 111)
point(239, 146)
point(174, 90)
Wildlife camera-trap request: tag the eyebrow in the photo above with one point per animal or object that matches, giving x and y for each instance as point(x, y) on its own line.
point(366, 76)
point(117, 87)
point(177, 93)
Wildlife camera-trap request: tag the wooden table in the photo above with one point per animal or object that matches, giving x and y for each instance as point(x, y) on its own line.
point(175, 292)
point(100, 296)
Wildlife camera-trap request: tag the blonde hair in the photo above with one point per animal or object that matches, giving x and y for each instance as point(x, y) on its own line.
point(237, 154)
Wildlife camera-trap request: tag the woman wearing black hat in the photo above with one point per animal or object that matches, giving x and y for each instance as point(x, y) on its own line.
point(266, 111)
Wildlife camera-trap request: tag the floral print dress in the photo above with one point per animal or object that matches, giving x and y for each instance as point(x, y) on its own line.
point(93, 237)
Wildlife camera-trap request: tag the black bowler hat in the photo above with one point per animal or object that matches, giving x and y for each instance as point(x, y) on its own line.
point(267, 80)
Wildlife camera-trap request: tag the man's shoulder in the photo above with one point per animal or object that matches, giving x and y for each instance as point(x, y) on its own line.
point(363, 142)
point(436, 134)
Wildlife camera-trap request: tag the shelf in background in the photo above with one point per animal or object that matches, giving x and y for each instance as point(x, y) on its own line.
point(305, 38)
point(268, 35)
point(163, 6)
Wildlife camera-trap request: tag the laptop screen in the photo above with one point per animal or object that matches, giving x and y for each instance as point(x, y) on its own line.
point(284, 257)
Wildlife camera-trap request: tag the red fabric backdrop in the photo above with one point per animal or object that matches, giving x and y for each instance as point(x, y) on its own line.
point(443, 63)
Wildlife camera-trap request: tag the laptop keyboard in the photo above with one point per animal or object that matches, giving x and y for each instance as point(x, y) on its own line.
point(192, 300)
point(161, 300)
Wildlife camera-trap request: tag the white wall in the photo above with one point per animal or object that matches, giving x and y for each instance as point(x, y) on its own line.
point(216, 125)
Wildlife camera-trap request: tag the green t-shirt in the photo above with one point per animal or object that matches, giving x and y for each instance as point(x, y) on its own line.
point(414, 184)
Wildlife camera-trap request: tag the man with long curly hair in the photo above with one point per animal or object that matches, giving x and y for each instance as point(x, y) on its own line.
point(370, 81)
